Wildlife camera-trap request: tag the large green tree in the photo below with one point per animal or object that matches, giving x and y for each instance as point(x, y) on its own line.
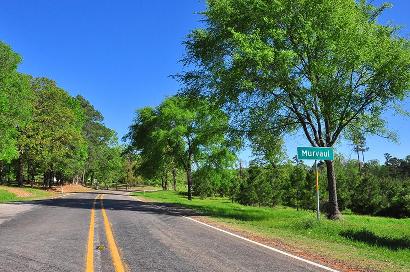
point(181, 132)
point(54, 137)
point(156, 160)
point(15, 102)
point(196, 132)
point(320, 65)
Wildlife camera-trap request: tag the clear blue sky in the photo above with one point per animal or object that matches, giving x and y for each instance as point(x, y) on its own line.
point(120, 54)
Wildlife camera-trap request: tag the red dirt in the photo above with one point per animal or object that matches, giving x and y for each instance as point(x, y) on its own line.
point(19, 192)
point(70, 188)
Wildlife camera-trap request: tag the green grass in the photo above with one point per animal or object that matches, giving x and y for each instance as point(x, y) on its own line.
point(371, 242)
point(6, 196)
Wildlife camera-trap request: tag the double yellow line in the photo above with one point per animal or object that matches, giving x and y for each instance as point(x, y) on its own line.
point(115, 254)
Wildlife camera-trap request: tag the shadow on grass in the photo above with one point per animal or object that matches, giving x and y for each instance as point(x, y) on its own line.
point(226, 212)
point(370, 238)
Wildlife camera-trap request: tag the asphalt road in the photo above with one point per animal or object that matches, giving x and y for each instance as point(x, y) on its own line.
point(110, 231)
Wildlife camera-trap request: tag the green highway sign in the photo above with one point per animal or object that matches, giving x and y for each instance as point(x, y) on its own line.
point(315, 153)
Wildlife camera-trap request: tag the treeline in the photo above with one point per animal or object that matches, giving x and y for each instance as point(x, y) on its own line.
point(372, 188)
point(50, 137)
point(190, 136)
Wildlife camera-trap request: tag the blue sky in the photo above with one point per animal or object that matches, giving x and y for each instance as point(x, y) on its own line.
point(120, 54)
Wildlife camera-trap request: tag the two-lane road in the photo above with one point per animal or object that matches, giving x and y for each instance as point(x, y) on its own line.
point(110, 231)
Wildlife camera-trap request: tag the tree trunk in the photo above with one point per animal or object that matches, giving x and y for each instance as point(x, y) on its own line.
point(174, 179)
point(83, 179)
point(92, 180)
point(358, 158)
point(47, 179)
point(1, 172)
point(166, 180)
point(189, 181)
point(32, 173)
point(189, 176)
point(333, 209)
point(51, 179)
point(20, 166)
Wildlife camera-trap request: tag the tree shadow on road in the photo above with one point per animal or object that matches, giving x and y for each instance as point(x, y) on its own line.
point(117, 204)
point(129, 204)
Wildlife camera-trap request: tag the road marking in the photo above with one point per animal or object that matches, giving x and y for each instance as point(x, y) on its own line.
point(265, 246)
point(115, 255)
point(90, 244)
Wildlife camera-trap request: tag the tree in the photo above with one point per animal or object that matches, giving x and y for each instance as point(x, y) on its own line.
point(110, 164)
point(54, 137)
point(195, 131)
point(97, 136)
point(156, 160)
point(15, 102)
point(266, 142)
point(181, 133)
point(320, 65)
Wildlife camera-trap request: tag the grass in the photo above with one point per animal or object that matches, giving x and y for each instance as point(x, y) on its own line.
point(6, 196)
point(374, 243)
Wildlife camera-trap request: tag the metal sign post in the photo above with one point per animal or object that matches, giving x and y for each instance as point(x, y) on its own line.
point(317, 193)
point(316, 153)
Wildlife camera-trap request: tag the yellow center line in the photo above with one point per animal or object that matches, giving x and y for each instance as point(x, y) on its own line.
point(115, 254)
point(90, 244)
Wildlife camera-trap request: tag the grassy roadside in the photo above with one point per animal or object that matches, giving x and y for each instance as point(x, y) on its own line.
point(373, 243)
point(6, 194)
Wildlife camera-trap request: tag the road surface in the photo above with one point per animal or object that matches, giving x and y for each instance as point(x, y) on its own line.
point(110, 231)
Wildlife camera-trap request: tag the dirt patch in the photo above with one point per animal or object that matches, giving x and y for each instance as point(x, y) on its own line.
point(70, 188)
point(19, 192)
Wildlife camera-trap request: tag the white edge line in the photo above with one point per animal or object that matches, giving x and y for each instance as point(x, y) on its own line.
point(265, 246)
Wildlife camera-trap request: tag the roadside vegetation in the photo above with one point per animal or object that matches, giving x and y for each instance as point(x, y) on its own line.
point(48, 137)
point(256, 72)
point(366, 242)
point(9, 194)
point(251, 82)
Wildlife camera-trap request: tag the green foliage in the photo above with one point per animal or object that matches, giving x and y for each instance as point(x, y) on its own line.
point(155, 159)
point(183, 133)
point(15, 102)
point(43, 130)
point(104, 164)
point(54, 135)
point(382, 196)
point(6, 196)
point(110, 166)
point(208, 181)
point(315, 66)
point(376, 190)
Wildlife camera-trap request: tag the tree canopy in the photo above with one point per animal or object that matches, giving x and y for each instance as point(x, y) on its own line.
point(181, 133)
point(15, 102)
point(44, 130)
point(321, 66)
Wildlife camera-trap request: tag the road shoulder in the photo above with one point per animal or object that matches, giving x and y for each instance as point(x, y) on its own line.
point(276, 243)
point(10, 210)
